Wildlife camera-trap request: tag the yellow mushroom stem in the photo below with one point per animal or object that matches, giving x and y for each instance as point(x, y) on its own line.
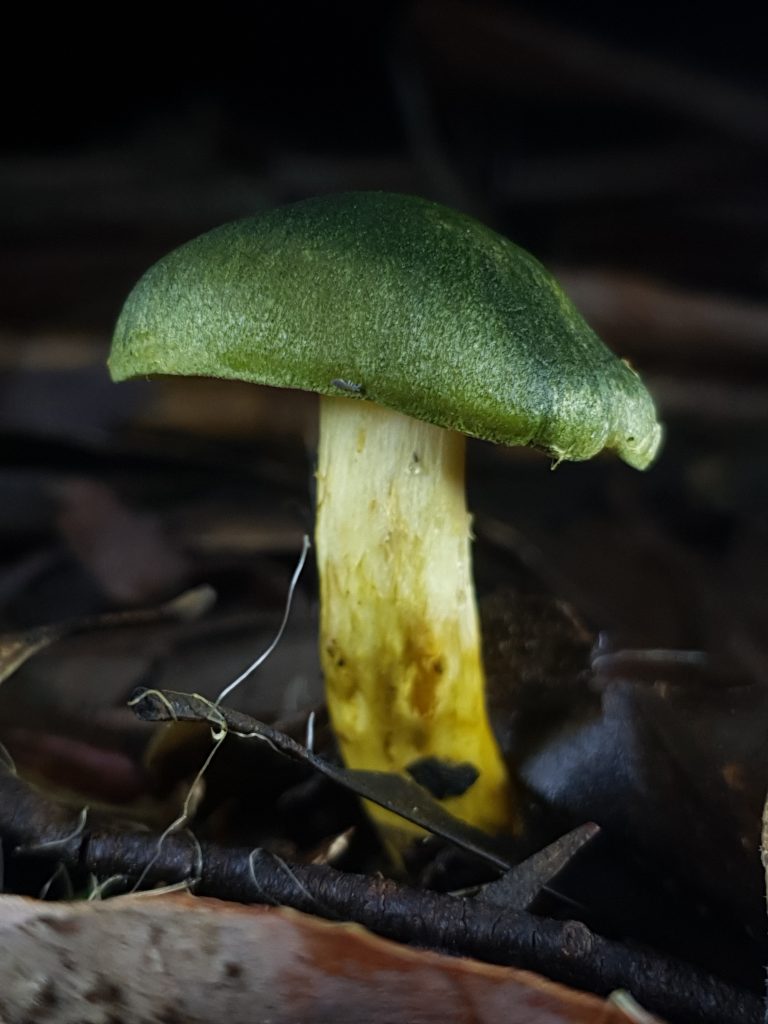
point(399, 633)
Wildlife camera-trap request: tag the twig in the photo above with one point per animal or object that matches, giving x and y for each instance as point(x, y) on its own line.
point(396, 793)
point(566, 952)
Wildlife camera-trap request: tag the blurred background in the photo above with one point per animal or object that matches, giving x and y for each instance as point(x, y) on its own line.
point(625, 146)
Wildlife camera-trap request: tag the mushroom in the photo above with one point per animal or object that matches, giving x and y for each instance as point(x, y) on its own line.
point(417, 325)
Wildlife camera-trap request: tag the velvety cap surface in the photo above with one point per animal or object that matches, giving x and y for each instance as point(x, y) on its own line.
point(397, 300)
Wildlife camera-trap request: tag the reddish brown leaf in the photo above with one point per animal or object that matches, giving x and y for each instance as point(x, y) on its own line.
point(196, 960)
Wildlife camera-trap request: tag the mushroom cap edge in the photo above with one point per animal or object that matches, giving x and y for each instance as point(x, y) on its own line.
point(397, 300)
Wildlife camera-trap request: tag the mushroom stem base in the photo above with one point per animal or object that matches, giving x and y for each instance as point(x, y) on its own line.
point(400, 640)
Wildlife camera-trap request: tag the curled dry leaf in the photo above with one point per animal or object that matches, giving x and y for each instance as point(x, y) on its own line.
point(18, 647)
point(398, 794)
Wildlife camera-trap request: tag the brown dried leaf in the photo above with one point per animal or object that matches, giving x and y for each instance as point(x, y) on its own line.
point(198, 960)
point(17, 648)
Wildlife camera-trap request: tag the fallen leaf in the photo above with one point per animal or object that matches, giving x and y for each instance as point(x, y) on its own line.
point(17, 648)
point(201, 960)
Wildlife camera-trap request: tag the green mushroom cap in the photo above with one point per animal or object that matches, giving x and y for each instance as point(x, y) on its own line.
point(399, 301)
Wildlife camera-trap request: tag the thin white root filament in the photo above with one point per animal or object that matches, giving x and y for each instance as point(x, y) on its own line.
point(278, 636)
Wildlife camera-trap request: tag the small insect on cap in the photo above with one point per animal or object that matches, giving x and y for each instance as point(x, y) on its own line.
point(397, 300)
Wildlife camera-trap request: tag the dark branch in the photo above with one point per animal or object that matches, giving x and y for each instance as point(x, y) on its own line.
point(566, 952)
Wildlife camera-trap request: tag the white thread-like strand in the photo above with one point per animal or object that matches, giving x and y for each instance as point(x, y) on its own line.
point(627, 1003)
point(153, 693)
point(198, 869)
point(101, 888)
point(51, 844)
point(182, 819)
point(60, 871)
point(217, 735)
point(185, 885)
point(278, 636)
point(260, 852)
point(309, 740)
